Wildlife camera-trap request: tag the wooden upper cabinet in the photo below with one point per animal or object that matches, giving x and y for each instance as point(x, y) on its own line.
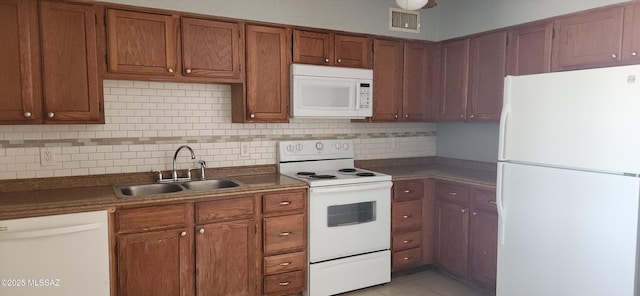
point(416, 86)
point(141, 43)
point(455, 69)
point(487, 62)
point(20, 98)
point(352, 51)
point(331, 49)
point(265, 96)
point(312, 47)
point(211, 49)
point(529, 49)
point(631, 44)
point(387, 73)
point(72, 90)
point(587, 40)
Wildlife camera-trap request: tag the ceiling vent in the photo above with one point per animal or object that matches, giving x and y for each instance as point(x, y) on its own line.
point(404, 20)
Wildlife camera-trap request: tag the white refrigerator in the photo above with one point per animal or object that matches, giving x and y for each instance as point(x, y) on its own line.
point(568, 184)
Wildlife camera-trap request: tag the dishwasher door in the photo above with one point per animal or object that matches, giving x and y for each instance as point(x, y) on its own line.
point(61, 255)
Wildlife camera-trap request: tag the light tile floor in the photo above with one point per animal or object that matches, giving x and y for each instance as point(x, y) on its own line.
point(425, 283)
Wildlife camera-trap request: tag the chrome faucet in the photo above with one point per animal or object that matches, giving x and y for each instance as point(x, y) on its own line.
point(174, 173)
point(203, 165)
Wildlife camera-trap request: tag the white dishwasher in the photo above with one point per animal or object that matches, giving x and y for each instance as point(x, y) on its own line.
point(61, 255)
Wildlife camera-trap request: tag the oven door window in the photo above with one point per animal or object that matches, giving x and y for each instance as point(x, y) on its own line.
point(351, 214)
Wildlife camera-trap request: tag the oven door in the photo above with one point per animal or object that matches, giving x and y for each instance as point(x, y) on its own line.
point(346, 220)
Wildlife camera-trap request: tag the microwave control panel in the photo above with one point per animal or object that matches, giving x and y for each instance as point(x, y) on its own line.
point(365, 96)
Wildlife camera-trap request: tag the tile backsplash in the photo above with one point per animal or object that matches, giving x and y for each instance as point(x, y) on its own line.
point(145, 122)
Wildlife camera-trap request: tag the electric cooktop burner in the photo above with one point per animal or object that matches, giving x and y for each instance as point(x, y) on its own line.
point(347, 170)
point(323, 176)
point(306, 173)
point(365, 174)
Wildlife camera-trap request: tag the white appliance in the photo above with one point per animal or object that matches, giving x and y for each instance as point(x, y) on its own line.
point(568, 184)
point(59, 255)
point(331, 92)
point(349, 216)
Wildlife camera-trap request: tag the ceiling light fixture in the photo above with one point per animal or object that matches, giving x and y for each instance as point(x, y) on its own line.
point(411, 4)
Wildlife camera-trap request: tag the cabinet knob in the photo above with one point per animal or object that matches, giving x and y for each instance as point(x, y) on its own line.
point(252, 115)
point(461, 115)
point(284, 203)
point(184, 233)
point(188, 71)
point(472, 116)
point(614, 56)
point(493, 202)
point(463, 210)
point(326, 60)
point(27, 114)
point(50, 114)
point(201, 230)
point(396, 116)
point(170, 70)
point(452, 194)
point(406, 116)
point(406, 216)
point(634, 53)
point(339, 60)
point(285, 233)
point(406, 258)
point(474, 213)
point(284, 283)
point(406, 241)
point(407, 191)
point(285, 263)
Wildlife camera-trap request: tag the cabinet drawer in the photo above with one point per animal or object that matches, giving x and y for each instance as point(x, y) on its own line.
point(286, 201)
point(220, 210)
point(484, 199)
point(408, 190)
point(406, 215)
point(149, 218)
point(409, 240)
point(284, 233)
point(284, 284)
point(406, 259)
point(452, 192)
point(284, 263)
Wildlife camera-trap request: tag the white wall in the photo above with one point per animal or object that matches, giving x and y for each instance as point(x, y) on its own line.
point(463, 17)
point(362, 16)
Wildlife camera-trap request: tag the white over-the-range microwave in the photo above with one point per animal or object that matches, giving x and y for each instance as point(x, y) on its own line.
point(331, 92)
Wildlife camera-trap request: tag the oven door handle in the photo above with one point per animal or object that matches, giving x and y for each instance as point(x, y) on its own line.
point(351, 187)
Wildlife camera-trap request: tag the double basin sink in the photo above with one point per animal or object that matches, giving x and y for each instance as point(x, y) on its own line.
point(127, 191)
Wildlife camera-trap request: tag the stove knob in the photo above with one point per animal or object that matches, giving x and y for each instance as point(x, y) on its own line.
point(338, 146)
point(299, 147)
point(290, 148)
point(319, 146)
point(345, 146)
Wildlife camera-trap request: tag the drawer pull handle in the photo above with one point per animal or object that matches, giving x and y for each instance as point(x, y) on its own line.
point(285, 263)
point(284, 283)
point(452, 194)
point(406, 258)
point(407, 241)
point(463, 210)
point(407, 191)
point(285, 233)
point(406, 216)
point(493, 202)
point(284, 203)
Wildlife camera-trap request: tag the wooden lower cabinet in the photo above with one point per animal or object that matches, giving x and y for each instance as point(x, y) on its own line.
point(467, 232)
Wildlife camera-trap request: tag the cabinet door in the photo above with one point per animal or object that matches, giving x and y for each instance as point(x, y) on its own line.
point(588, 39)
point(267, 85)
point(211, 49)
point(352, 51)
point(416, 81)
point(387, 74)
point(71, 88)
point(529, 49)
point(631, 43)
point(455, 70)
point(155, 263)
point(20, 100)
point(452, 237)
point(484, 247)
point(312, 48)
point(487, 60)
point(141, 43)
point(226, 258)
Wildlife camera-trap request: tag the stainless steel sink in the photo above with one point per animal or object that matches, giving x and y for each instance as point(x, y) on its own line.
point(208, 185)
point(148, 189)
point(129, 191)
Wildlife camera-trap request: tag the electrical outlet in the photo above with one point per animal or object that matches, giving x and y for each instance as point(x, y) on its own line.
point(244, 149)
point(47, 157)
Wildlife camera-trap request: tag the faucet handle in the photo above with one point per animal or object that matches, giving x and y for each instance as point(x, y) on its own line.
point(159, 174)
point(189, 174)
point(203, 165)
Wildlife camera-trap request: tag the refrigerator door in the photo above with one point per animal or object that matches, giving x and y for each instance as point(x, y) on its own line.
point(585, 119)
point(565, 232)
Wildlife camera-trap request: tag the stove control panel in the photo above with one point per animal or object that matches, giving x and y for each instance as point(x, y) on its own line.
point(315, 149)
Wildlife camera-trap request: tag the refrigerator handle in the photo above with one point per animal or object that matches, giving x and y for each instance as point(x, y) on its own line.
point(504, 116)
point(500, 204)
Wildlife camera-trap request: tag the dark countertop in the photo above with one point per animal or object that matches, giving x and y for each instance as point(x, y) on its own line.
point(51, 196)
